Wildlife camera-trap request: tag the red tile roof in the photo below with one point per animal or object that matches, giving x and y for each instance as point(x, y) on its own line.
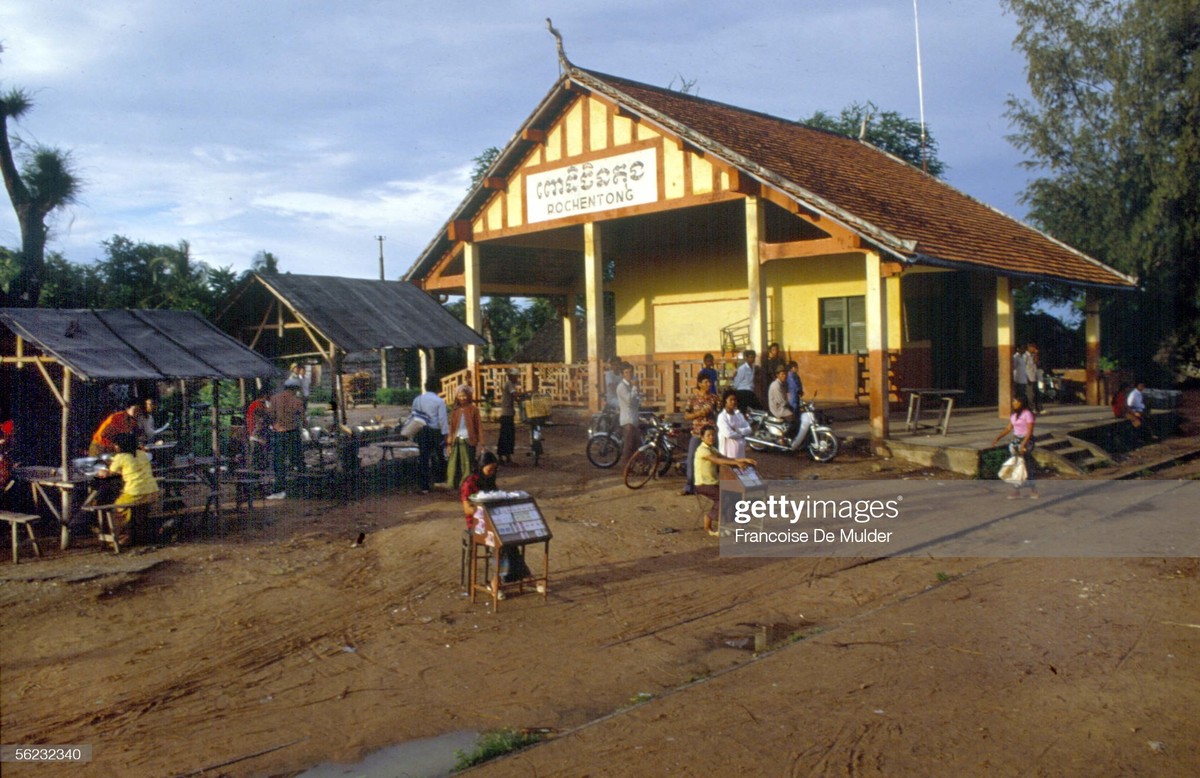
point(889, 202)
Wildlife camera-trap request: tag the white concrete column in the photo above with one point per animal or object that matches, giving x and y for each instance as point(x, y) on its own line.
point(1005, 335)
point(877, 340)
point(474, 307)
point(593, 275)
point(756, 291)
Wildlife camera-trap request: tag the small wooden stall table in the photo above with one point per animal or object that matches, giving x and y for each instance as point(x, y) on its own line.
point(396, 449)
point(50, 489)
point(506, 520)
point(916, 398)
point(15, 520)
point(741, 483)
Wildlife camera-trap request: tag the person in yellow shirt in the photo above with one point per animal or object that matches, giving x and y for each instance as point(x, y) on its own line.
point(138, 483)
point(708, 478)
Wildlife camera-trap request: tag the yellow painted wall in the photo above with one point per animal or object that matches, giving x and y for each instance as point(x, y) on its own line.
point(655, 297)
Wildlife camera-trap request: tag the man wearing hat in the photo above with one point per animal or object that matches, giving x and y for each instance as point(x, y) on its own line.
point(509, 395)
point(287, 419)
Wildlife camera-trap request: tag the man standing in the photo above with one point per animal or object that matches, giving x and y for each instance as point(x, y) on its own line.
point(744, 380)
point(629, 402)
point(1020, 375)
point(770, 366)
point(287, 419)
point(612, 379)
point(795, 386)
point(507, 442)
point(430, 408)
point(709, 372)
point(1032, 370)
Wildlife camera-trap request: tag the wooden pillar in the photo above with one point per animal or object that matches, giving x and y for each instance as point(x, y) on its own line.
point(756, 291)
point(877, 341)
point(1005, 335)
point(1091, 329)
point(593, 275)
point(474, 307)
point(65, 494)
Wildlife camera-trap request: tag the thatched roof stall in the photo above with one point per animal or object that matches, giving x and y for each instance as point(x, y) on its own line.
point(72, 350)
point(290, 317)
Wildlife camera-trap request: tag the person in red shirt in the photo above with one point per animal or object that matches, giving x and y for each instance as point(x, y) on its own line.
point(128, 421)
point(258, 431)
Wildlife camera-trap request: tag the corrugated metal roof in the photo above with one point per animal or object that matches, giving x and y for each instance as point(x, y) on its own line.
point(134, 344)
point(359, 314)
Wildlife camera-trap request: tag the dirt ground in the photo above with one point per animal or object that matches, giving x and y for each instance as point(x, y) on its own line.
point(288, 645)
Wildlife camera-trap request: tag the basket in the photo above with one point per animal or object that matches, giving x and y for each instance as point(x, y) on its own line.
point(536, 408)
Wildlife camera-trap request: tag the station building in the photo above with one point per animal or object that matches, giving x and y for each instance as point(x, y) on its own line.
point(690, 226)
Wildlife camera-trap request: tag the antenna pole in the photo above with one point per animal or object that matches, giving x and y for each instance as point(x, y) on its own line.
point(380, 238)
point(920, 87)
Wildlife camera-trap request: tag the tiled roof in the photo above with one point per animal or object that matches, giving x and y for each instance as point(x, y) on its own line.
point(889, 202)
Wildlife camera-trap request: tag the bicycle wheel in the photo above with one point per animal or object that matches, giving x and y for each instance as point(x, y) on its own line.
point(641, 466)
point(603, 450)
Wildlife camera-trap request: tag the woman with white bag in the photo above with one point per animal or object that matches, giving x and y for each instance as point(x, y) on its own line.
point(1016, 470)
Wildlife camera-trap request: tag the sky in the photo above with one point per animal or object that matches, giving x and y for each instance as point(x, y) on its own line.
point(307, 128)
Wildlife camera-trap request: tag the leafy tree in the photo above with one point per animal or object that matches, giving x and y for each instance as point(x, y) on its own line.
point(45, 183)
point(265, 263)
point(1113, 129)
point(887, 130)
point(482, 163)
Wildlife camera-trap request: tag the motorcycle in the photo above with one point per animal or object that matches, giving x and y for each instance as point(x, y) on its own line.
point(604, 439)
point(769, 433)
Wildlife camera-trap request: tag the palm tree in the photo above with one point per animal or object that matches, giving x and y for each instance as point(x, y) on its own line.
point(46, 182)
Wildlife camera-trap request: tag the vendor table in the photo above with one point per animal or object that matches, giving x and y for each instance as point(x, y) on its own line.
point(15, 520)
point(50, 489)
point(912, 422)
point(506, 520)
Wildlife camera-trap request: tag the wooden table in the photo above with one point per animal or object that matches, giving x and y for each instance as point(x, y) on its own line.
point(912, 422)
point(45, 480)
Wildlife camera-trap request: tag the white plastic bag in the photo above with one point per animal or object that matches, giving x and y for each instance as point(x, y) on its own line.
point(1012, 472)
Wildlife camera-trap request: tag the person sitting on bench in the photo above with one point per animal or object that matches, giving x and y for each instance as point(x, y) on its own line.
point(138, 484)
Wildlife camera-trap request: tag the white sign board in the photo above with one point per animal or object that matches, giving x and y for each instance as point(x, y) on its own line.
point(589, 187)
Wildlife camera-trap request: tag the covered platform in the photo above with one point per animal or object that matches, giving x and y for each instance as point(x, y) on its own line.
point(1071, 439)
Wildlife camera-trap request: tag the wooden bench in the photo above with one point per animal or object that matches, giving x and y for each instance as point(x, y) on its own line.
point(106, 519)
point(16, 519)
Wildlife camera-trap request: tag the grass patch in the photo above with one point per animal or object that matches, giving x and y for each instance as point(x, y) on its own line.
point(942, 577)
point(491, 744)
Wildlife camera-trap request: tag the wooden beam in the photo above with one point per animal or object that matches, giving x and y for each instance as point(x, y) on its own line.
point(691, 147)
point(799, 249)
point(578, 89)
point(742, 183)
point(889, 269)
point(495, 183)
point(533, 135)
point(626, 113)
point(459, 229)
point(435, 283)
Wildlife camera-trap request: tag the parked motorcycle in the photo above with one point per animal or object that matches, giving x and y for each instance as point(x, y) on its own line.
point(604, 439)
point(769, 433)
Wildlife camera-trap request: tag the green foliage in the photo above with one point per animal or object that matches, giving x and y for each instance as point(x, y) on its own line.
point(1113, 129)
point(39, 182)
point(507, 326)
point(887, 130)
point(482, 163)
point(494, 743)
point(393, 395)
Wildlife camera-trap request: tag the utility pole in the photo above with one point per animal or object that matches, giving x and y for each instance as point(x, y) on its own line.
point(383, 359)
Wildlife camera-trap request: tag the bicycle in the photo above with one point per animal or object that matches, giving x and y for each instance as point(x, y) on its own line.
point(656, 454)
point(535, 411)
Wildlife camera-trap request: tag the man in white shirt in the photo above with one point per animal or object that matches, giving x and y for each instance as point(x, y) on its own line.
point(629, 402)
point(743, 382)
point(431, 408)
point(1020, 376)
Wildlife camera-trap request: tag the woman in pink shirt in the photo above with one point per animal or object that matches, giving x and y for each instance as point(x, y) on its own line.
point(1020, 425)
